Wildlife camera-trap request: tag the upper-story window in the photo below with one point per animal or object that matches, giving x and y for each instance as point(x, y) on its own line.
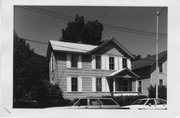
point(111, 63)
point(74, 84)
point(161, 82)
point(124, 63)
point(98, 62)
point(74, 61)
point(160, 67)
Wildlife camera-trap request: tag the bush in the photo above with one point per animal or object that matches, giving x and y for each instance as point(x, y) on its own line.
point(126, 100)
point(162, 92)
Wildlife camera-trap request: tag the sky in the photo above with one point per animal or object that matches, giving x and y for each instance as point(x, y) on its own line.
point(126, 24)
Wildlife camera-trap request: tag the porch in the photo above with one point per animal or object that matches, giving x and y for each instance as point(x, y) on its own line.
point(122, 83)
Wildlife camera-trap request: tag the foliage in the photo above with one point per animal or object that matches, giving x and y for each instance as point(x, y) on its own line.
point(29, 69)
point(162, 92)
point(137, 57)
point(89, 32)
point(126, 100)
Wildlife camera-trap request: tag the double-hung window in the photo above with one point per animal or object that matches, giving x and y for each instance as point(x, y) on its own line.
point(160, 67)
point(74, 84)
point(98, 62)
point(74, 61)
point(111, 63)
point(98, 84)
point(140, 86)
point(124, 63)
point(161, 82)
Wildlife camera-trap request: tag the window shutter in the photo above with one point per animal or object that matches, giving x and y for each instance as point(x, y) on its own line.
point(80, 61)
point(120, 63)
point(51, 63)
point(103, 61)
point(68, 61)
point(93, 84)
point(128, 63)
point(79, 84)
point(107, 62)
point(116, 64)
point(107, 85)
point(93, 62)
point(68, 84)
point(103, 84)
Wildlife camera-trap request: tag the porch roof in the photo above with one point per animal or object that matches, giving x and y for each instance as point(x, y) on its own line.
point(125, 73)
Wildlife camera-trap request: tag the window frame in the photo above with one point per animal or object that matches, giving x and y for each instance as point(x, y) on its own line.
point(111, 63)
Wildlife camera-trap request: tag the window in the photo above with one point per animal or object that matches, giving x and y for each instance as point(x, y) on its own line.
point(160, 67)
point(94, 102)
point(161, 82)
point(74, 61)
point(140, 86)
point(107, 102)
point(124, 63)
point(82, 102)
point(98, 62)
point(98, 84)
point(74, 84)
point(111, 63)
point(160, 102)
point(151, 102)
point(52, 63)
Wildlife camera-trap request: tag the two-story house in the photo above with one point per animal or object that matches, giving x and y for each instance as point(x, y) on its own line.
point(83, 70)
point(146, 69)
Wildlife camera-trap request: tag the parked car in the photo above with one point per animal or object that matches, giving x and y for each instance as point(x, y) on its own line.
point(147, 104)
point(93, 103)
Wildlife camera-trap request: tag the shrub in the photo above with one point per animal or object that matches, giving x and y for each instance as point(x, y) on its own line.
point(162, 92)
point(126, 100)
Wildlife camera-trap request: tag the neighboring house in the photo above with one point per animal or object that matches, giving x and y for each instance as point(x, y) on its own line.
point(146, 69)
point(83, 70)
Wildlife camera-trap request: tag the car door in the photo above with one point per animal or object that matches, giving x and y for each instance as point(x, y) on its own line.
point(109, 103)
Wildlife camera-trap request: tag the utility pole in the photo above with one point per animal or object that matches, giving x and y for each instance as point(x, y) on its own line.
point(157, 39)
point(157, 23)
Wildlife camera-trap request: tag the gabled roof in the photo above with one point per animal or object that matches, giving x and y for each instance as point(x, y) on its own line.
point(148, 61)
point(126, 73)
point(121, 47)
point(70, 47)
point(62, 46)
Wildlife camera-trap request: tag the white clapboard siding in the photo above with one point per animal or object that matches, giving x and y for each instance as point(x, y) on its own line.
point(79, 84)
point(103, 62)
point(129, 63)
point(107, 62)
point(116, 63)
point(103, 84)
point(93, 84)
point(120, 63)
point(79, 61)
point(93, 62)
point(68, 61)
point(68, 83)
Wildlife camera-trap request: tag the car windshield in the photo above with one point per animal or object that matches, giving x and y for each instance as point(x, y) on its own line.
point(72, 102)
point(139, 102)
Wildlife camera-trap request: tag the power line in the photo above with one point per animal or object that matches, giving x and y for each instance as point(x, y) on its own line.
point(117, 28)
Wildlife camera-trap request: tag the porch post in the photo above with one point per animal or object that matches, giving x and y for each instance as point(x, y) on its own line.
point(114, 85)
point(136, 85)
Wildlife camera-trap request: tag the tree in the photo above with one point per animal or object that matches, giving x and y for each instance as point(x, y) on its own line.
point(89, 32)
point(29, 69)
point(137, 57)
point(162, 91)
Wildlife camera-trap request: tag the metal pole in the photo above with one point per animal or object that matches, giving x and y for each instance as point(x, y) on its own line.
point(157, 54)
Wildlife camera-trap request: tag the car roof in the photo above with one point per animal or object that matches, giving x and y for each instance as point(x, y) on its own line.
point(93, 97)
point(149, 98)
